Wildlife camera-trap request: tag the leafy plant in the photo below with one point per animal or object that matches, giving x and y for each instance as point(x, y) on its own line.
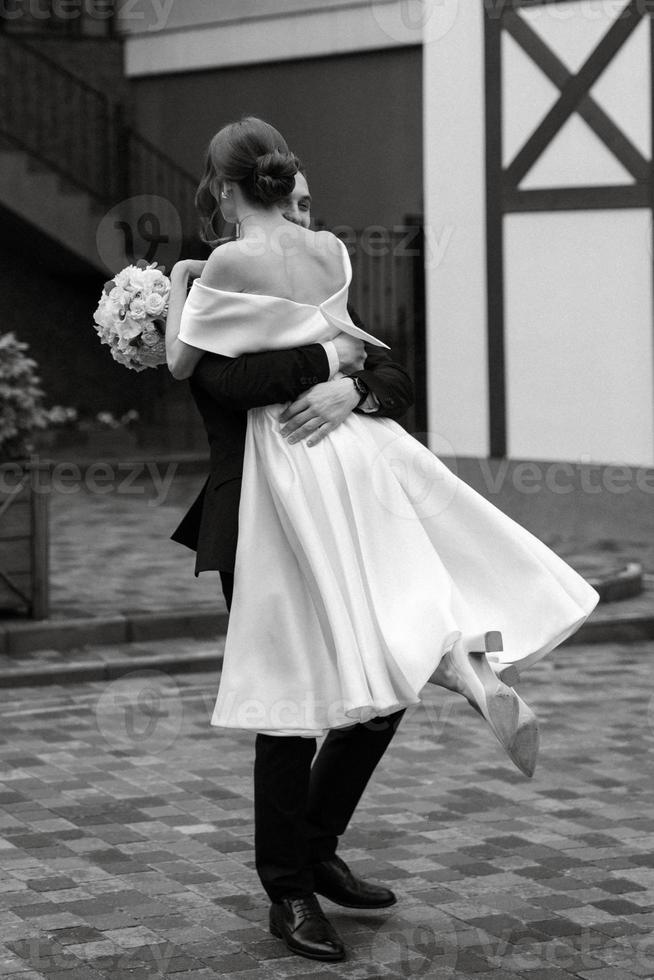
point(21, 411)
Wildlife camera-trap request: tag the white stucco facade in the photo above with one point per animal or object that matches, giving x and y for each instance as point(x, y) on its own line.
point(578, 303)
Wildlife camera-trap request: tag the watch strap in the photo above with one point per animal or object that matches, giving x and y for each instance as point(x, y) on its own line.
point(362, 389)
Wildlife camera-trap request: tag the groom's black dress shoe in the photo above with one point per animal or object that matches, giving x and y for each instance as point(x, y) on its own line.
point(305, 929)
point(334, 880)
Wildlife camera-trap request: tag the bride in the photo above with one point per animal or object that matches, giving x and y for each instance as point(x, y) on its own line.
point(367, 586)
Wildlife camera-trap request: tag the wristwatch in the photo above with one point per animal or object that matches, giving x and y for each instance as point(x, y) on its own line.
point(362, 389)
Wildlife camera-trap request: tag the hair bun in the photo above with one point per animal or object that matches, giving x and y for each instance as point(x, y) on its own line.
point(274, 176)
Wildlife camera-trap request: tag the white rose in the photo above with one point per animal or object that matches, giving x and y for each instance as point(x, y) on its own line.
point(130, 328)
point(150, 277)
point(162, 285)
point(122, 278)
point(137, 309)
point(150, 338)
point(137, 278)
point(120, 297)
point(154, 304)
point(103, 316)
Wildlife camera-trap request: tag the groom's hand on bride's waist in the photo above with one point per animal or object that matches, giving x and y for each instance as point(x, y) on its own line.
point(319, 411)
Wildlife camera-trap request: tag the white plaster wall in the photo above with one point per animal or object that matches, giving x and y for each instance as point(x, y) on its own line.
point(453, 90)
point(572, 30)
point(576, 156)
point(164, 36)
point(578, 336)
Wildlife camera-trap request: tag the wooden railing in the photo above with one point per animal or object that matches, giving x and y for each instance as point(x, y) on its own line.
point(388, 293)
point(24, 539)
point(78, 132)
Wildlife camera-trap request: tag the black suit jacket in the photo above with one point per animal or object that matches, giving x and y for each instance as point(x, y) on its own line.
point(223, 389)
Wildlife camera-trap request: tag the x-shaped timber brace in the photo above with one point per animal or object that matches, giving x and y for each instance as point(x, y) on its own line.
point(503, 194)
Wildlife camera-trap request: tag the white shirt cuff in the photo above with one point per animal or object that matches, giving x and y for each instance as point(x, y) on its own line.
point(371, 404)
point(332, 357)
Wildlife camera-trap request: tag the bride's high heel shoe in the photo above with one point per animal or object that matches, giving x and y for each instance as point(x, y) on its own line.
point(470, 673)
point(523, 748)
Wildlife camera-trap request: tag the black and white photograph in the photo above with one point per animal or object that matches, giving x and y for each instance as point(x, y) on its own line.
point(326, 489)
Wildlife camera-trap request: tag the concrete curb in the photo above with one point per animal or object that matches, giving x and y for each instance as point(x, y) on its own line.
point(75, 673)
point(67, 635)
point(621, 582)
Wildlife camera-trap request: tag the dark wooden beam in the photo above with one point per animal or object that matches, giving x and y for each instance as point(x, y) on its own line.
point(574, 91)
point(646, 5)
point(578, 198)
point(651, 180)
point(495, 236)
point(602, 125)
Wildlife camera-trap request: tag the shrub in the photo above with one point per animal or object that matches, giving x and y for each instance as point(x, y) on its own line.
point(21, 411)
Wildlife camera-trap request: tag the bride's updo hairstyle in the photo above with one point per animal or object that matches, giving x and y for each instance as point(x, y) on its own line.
point(252, 154)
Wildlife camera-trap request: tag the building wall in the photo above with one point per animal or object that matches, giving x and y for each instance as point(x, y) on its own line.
point(453, 86)
point(169, 36)
point(578, 284)
point(355, 120)
point(578, 332)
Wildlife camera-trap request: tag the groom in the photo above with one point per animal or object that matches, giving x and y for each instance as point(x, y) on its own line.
point(295, 845)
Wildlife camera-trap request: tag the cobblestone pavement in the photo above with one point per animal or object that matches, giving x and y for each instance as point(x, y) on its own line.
point(112, 553)
point(126, 837)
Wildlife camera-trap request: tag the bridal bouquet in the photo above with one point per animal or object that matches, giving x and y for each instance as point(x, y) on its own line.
point(131, 316)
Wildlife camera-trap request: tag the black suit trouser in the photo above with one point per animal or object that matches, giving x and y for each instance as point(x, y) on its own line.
point(300, 809)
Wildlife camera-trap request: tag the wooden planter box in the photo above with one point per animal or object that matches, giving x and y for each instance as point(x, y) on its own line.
point(24, 539)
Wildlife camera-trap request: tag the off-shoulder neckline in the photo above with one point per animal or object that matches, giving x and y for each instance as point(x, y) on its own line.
point(284, 299)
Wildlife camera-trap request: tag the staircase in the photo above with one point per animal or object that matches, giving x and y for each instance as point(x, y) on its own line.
point(72, 168)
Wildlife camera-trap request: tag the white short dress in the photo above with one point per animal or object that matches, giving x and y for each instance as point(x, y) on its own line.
point(362, 559)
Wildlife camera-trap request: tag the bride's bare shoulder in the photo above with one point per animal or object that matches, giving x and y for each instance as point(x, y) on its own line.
point(330, 247)
point(224, 268)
